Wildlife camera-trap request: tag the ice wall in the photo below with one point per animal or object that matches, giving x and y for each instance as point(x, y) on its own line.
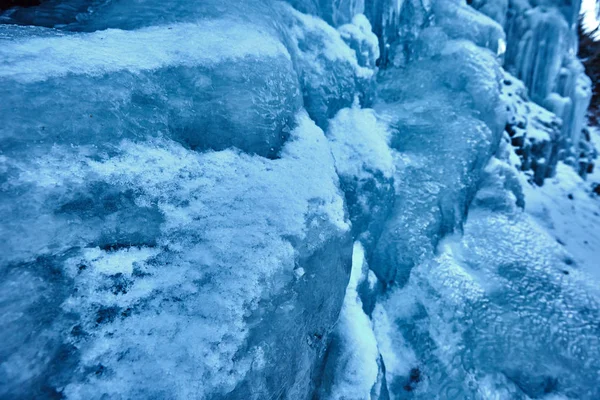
point(458, 294)
point(311, 199)
point(172, 223)
point(541, 51)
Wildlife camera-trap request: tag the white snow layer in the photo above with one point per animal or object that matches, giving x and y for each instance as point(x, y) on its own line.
point(97, 53)
point(356, 368)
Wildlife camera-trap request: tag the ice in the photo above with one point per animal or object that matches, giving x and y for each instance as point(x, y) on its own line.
point(179, 220)
point(440, 140)
point(365, 165)
point(51, 13)
point(200, 244)
point(353, 355)
point(575, 88)
point(329, 71)
point(362, 40)
point(542, 41)
point(500, 303)
point(333, 12)
point(465, 23)
point(541, 50)
point(306, 199)
point(146, 74)
point(98, 15)
point(113, 50)
point(397, 23)
point(534, 131)
point(495, 9)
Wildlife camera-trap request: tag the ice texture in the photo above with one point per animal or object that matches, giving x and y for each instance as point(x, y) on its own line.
point(165, 237)
point(127, 312)
point(445, 125)
point(145, 74)
point(325, 199)
point(499, 312)
point(542, 42)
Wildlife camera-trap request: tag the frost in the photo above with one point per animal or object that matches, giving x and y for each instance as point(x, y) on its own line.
point(359, 144)
point(217, 255)
point(330, 199)
point(145, 49)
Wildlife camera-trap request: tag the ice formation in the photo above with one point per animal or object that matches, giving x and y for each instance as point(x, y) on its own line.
point(323, 199)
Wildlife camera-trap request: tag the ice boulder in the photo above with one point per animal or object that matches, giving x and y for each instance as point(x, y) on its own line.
point(138, 85)
point(172, 212)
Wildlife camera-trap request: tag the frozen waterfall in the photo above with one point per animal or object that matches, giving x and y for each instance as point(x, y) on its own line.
point(326, 199)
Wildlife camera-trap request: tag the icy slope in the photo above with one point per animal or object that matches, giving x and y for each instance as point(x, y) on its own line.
point(311, 199)
point(569, 210)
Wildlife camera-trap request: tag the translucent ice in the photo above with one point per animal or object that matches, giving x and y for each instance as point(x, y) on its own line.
point(499, 313)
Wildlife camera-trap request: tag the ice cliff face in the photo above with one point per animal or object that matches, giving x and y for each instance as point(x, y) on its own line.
point(260, 199)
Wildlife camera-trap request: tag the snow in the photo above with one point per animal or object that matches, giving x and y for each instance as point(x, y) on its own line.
point(308, 27)
point(589, 12)
point(149, 48)
point(218, 254)
point(254, 200)
point(328, 69)
point(356, 368)
point(534, 131)
point(118, 262)
point(359, 144)
point(366, 44)
point(566, 207)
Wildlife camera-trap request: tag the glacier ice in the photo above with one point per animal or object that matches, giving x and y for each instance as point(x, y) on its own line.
point(302, 199)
